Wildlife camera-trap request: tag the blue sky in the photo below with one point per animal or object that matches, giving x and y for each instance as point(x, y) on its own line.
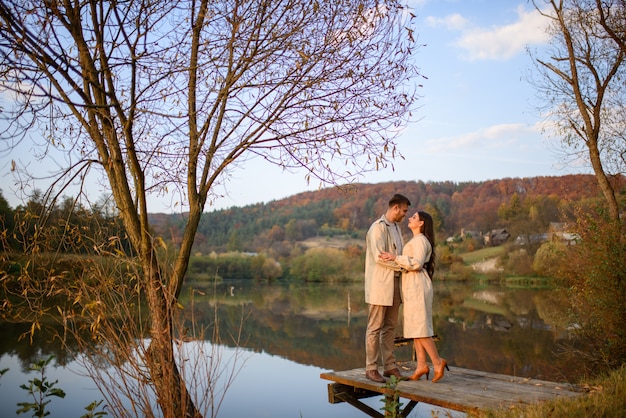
point(478, 115)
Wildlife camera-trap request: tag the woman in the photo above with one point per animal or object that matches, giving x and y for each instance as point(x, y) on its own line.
point(418, 263)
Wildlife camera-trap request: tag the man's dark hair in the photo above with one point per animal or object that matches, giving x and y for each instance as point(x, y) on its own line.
point(398, 199)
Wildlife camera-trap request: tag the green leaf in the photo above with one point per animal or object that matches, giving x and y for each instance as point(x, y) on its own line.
point(25, 407)
point(57, 392)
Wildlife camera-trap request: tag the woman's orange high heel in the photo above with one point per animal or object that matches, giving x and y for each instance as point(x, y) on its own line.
point(439, 370)
point(421, 372)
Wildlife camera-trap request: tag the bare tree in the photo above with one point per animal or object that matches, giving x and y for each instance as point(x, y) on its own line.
point(582, 80)
point(612, 17)
point(162, 96)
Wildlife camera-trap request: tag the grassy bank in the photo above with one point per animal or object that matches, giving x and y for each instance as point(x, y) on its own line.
point(482, 254)
point(605, 398)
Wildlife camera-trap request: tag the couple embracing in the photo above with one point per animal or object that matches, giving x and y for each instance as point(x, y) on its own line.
point(396, 273)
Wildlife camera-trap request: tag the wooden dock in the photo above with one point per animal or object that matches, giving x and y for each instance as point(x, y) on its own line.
point(465, 390)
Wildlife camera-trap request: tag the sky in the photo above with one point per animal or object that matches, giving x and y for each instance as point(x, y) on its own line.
point(477, 117)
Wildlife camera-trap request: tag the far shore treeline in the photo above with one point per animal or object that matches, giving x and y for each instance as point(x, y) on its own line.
point(476, 206)
point(319, 235)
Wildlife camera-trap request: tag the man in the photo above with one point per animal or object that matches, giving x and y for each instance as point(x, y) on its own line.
point(382, 290)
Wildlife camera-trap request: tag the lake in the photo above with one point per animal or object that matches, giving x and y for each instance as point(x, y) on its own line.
point(292, 332)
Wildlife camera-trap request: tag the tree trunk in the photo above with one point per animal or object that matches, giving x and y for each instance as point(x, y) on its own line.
point(169, 386)
point(604, 183)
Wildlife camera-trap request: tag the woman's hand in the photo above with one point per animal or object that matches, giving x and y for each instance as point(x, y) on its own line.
point(386, 256)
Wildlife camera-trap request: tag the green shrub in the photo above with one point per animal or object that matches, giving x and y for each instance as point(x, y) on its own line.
point(459, 271)
point(519, 263)
point(234, 266)
point(547, 259)
point(321, 264)
point(593, 276)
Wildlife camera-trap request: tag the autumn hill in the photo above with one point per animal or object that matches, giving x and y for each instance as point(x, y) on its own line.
point(519, 204)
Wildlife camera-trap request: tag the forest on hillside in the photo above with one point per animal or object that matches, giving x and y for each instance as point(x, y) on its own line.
point(523, 205)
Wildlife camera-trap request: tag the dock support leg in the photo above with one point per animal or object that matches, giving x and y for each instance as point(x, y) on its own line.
point(401, 413)
point(338, 392)
point(360, 406)
point(408, 408)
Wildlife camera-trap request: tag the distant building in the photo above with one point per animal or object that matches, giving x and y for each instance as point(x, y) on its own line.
point(496, 237)
point(531, 239)
point(466, 234)
point(558, 232)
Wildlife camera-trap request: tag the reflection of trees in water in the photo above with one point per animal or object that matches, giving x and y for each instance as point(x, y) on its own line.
point(16, 341)
point(502, 330)
point(551, 306)
point(310, 324)
point(517, 350)
point(324, 325)
point(318, 324)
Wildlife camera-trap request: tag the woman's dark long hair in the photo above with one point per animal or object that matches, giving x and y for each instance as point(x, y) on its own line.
point(429, 231)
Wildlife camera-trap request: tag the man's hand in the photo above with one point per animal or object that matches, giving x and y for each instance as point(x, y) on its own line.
point(386, 256)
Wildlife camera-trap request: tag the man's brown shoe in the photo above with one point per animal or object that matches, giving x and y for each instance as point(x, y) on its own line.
point(374, 375)
point(394, 372)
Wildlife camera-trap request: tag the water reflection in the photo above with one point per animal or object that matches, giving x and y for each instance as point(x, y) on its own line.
point(312, 324)
point(299, 330)
point(492, 328)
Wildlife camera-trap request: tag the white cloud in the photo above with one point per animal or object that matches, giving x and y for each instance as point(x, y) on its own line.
point(496, 136)
point(496, 42)
point(450, 22)
point(503, 42)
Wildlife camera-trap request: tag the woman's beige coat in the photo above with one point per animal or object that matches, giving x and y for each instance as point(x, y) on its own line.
point(417, 288)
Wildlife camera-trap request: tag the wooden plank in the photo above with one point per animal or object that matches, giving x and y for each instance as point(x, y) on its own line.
point(463, 389)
